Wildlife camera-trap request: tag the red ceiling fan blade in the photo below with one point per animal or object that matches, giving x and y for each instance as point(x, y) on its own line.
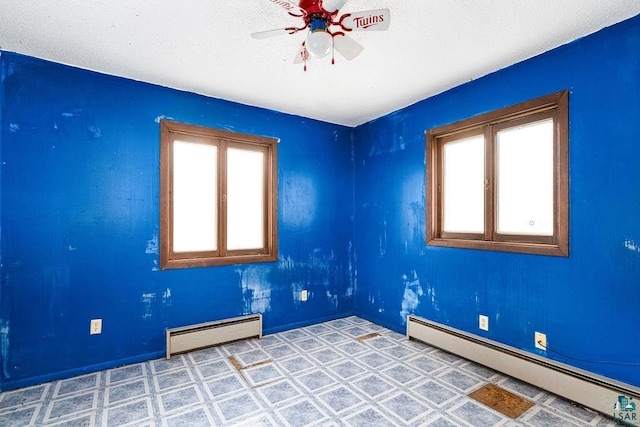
point(289, 6)
point(272, 33)
point(346, 46)
point(368, 20)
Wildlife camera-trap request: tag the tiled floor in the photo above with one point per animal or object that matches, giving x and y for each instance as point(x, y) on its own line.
point(346, 372)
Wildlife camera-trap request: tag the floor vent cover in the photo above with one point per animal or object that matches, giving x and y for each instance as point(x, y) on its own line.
point(501, 400)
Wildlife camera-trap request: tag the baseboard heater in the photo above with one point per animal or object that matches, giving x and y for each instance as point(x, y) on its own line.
point(589, 389)
point(201, 335)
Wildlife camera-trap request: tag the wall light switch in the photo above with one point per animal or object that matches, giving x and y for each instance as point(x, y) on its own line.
point(304, 295)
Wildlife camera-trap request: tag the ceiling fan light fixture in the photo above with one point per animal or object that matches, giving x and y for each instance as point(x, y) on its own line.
point(319, 41)
point(332, 5)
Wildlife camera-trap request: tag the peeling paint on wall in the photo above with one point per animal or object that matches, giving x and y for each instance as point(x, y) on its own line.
point(147, 300)
point(152, 245)
point(4, 347)
point(411, 297)
point(631, 245)
point(166, 298)
point(160, 118)
point(256, 289)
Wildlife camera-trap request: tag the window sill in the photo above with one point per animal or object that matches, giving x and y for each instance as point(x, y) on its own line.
point(515, 247)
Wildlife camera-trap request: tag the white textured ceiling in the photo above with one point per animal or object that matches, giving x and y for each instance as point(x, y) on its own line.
point(204, 46)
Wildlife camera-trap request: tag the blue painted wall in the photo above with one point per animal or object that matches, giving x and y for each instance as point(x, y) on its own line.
point(79, 219)
point(80, 214)
point(587, 304)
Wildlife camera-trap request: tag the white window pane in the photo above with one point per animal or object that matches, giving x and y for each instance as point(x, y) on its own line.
point(463, 185)
point(245, 199)
point(195, 190)
point(525, 179)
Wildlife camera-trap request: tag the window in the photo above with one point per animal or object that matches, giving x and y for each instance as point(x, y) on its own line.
point(218, 197)
point(499, 181)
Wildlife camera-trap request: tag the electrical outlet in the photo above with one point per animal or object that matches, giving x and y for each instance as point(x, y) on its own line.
point(304, 295)
point(541, 340)
point(96, 327)
point(483, 322)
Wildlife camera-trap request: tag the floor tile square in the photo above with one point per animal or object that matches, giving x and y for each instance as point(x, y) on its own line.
point(318, 329)
point(71, 406)
point(309, 344)
point(294, 334)
point(530, 391)
point(20, 417)
point(441, 421)
point(373, 386)
point(126, 373)
point(301, 414)
point(548, 419)
point(237, 407)
point(269, 341)
point(340, 399)
point(126, 391)
point(347, 369)
point(480, 416)
point(339, 324)
point(566, 407)
point(446, 356)
point(315, 380)
point(173, 379)
point(205, 355)
point(425, 364)
point(210, 370)
point(436, 393)
point(262, 374)
point(370, 417)
point(225, 385)
point(381, 343)
point(399, 352)
point(125, 414)
point(460, 380)
point(356, 331)
point(239, 347)
point(77, 384)
point(23, 396)
point(401, 374)
point(406, 408)
point(296, 364)
point(263, 420)
point(374, 360)
point(179, 399)
point(279, 392)
point(334, 338)
point(281, 351)
point(199, 417)
point(164, 365)
point(252, 357)
point(479, 370)
point(326, 355)
point(353, 348)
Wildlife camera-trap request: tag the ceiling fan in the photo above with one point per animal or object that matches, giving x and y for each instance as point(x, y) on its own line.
point(327, 31)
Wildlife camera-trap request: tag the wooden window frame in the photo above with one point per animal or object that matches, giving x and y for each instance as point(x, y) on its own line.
point(555, 105)
point(169, 132)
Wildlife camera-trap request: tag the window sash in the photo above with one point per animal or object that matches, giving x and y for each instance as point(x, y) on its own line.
point(555, 107)
point(226, 143)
